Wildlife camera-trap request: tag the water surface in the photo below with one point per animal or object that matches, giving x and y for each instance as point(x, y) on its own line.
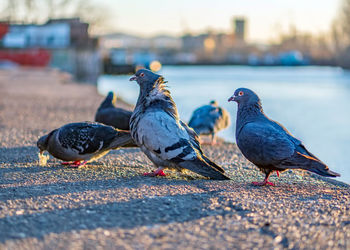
point(313, 103)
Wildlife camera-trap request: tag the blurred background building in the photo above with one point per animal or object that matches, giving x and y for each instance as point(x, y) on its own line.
point(63, 39)
point(240, 29)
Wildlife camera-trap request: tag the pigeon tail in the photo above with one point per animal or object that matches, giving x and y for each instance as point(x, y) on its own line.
point(322, 170)
point(213, 164)
point(313, 165)
point(319, 167)
point(203, 168)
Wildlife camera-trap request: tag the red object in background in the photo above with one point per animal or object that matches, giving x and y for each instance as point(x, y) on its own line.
point(27, 57)
point(4, 28)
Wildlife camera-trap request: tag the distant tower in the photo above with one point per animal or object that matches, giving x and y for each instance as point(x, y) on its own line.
point(239, 28)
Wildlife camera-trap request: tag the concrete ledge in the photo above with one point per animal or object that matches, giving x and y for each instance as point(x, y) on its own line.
point(110, 204)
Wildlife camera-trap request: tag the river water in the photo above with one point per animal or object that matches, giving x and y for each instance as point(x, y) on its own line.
point(313, 103)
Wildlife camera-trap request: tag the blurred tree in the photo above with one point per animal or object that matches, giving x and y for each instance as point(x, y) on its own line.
point(316, 47)
point(345, 19)
point(39, 11)
point(341, 34)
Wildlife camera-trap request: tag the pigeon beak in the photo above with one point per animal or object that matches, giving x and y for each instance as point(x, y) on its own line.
point(232, 99)
point(133, 78)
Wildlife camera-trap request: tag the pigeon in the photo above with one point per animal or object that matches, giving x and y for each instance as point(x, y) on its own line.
point(79, 143)
point(157, 129)
point(209, 119)
point(108, 114)
point(269, 145)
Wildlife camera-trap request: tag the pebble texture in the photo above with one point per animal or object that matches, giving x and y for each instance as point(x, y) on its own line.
point(109, 204)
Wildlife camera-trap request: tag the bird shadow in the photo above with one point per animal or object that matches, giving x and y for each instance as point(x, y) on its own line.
point(61, 188)
point(129, 214)
point(30, 169)
point(15, 155)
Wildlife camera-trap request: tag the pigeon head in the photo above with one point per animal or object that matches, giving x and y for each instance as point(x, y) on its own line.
point(111, 97)
point(245, 97)
point(109, 102)
point(42, 143)
point(213, 103)
point(145, 78)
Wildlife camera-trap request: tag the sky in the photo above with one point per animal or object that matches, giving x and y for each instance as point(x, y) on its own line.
point(266, 18)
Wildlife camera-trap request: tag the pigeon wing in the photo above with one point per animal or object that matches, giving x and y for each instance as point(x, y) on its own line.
point(303, 158)
point(165, 136)
point(194, 139)
point(203, 115)
point(170, 140)
point(204, 118)
point(299, 147)
point(263, 144)
point(116, 117)
point(86, 138)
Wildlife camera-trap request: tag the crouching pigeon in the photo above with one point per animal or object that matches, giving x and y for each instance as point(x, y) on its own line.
point(157, 129)
point(110, 115)
point(209, 119)
point(267, 143)
point(79, 143)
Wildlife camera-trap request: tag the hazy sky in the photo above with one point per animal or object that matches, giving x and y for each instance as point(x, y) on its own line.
point(266, 18)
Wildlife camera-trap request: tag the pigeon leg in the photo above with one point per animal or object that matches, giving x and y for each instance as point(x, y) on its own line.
point(265, 182)
point(158, 172)
point(278, 173)
point(65, 163)
point(200, 140)
point(213, 139)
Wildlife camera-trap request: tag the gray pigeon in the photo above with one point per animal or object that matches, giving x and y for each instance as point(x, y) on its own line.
point(267, 143)
point(83, 141)
point(209, 119)
point(110, 115)
point(157, 129)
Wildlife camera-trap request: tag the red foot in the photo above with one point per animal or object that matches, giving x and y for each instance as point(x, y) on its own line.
point(278, 174)
point(264, 183)
point(155, 173)
point(75, 164)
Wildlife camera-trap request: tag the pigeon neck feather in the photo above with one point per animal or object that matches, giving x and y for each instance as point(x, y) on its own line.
point(157, 95)
point(249, 112)
point(158, 90)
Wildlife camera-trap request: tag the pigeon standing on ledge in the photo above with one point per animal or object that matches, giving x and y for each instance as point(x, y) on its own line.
point(83, 142)
point(209, 119)
point(157, 129)
point(110, 115)
point(267, 143)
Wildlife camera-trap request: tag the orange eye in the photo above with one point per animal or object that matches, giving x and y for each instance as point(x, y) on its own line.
point(142, 74)
point(240, 93)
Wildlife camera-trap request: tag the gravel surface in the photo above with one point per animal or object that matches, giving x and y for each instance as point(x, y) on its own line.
point(108, 204)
